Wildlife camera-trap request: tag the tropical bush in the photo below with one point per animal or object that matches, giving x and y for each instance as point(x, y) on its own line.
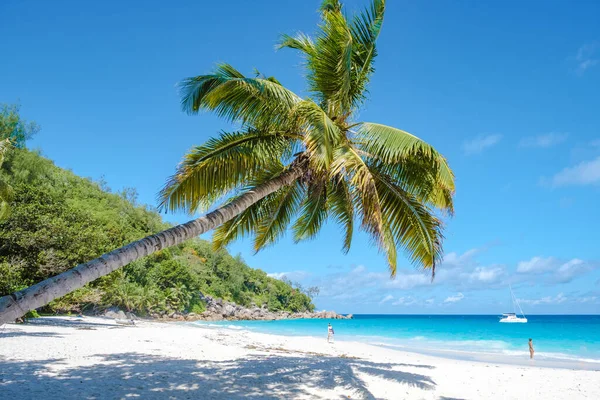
point(59, 220)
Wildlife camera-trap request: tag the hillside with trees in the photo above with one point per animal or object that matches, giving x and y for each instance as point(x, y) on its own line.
point(57, 220)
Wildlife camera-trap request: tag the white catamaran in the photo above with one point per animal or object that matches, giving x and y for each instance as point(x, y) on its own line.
point(512, 317)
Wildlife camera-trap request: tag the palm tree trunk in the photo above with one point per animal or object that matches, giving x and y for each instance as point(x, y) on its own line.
point(18, 304)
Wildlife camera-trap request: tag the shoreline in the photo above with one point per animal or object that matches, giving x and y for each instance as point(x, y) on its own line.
point(542, 359)
point(70, 357)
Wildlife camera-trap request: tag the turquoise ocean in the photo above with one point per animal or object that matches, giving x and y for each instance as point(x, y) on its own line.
point(569, 339)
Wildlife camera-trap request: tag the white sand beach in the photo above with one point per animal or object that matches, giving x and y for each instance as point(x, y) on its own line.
point(94, 358)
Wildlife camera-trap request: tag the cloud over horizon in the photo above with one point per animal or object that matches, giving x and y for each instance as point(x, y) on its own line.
point(460, 276)
point(559, 298)
point(587, 57)
point(454, 299)
point(543, 141)
point(555, 270)
point(480, 143)
point(584, 173)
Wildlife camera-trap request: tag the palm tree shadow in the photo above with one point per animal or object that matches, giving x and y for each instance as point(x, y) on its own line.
point(73, 323)
point(11, 333)
point(145, 376)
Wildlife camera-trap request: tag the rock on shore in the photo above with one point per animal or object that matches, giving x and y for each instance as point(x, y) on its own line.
point(218, 309)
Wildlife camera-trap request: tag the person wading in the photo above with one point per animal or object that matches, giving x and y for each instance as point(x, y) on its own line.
point(329, 333)
point(531, 351)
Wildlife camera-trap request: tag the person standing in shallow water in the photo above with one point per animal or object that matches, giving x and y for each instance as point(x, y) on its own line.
point(329, 333)
point(531, 351)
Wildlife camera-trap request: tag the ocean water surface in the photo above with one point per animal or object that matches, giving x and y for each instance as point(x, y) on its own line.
point(568, 338)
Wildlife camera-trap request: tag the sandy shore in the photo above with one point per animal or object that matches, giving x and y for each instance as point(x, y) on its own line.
point(93, 358)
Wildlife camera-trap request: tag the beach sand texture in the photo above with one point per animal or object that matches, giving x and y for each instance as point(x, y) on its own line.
point(94, 358)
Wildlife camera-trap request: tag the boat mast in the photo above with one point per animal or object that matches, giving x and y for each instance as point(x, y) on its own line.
point(514, 300)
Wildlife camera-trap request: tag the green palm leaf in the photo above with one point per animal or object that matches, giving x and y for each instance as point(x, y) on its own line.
point(410, 160)
point(412, 224)
point(278, 215)
point(247, 222)
point(322, 134)
point(231, 95)
point(313, 210)
point(341, 208)
point(221, 165)
point(365, 28)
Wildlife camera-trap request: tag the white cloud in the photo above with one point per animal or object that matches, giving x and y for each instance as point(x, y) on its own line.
point(277, 275)
point(587, 57)
point(543, 141)
point(464, 273)
point(459, 273)
point(407, 281)
point(292, 275)
point(559, 298)
point(588, 299)
point(486, 274)
point(453, 299)
point(456, 259)
point(536, 265)
point(569, 270)
point(556, 270)
point(353, 284)
point(386, 299)
point(480, 143)
point(405, 301)
point(584, 173)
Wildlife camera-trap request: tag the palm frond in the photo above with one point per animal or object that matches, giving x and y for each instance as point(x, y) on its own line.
point(322, 134)
point(247, 222)
point(349, 165)
point(390, 144)
point(221, 165)
point(242, 225)
point(365, 28)
point(300, 42)
point(231, 95)
point(328, 59)
point(413, 225)
point(313, 210)
point(341, 208)
point(278, 215)
point(419, 176)
point(331, 6)
point(410, 160)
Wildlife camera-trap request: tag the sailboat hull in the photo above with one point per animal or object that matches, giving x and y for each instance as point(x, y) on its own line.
point(514, 320)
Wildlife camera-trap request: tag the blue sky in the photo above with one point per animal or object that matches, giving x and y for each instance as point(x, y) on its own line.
point(507, 91)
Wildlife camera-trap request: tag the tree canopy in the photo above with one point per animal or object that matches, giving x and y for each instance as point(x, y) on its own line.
point(13, 127)
point(390, 181)
point(59, 220)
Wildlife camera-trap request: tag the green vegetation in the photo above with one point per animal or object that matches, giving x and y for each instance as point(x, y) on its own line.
point(345, 170)
point(14, 132)
point(295, 162)
point(13, 127)
point(59, 220)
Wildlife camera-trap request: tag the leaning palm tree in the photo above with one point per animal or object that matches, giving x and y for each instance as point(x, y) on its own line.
point(294, 162)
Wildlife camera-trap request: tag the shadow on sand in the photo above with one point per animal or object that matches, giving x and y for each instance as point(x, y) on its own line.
point(4, 334)
point(133, 375)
